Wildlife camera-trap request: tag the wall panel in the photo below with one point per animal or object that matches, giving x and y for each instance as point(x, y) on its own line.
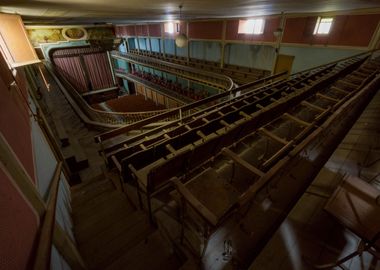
point(206, 30)
point(154, 30)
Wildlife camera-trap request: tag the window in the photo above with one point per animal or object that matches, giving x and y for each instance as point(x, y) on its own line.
point(171, 27)
point(323, 26)
point(255, 26)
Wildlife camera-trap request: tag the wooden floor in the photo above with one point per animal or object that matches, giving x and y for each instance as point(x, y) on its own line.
point(112, 234)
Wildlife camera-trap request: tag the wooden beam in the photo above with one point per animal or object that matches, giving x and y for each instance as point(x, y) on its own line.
point(227, 152)
point(117, 164)
point(326, 97)
point(312, 106)
point(296, 119)
point(271, 135)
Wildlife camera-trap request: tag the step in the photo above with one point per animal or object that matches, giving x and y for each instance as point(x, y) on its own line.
point(120, 245)
point(91, 192)
point(96, 180)
point(87, 209)
point(153, 247)
point(101, 219)
point(94, 243)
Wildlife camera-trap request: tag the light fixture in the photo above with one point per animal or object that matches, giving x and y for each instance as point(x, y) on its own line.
point(181, 39)
point(278, 32)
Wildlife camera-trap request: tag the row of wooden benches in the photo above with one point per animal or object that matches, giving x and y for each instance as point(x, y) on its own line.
point(241, 170)
point(217, 116)
point(153, 167)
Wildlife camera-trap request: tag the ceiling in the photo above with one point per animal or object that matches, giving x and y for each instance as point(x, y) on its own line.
point(129, 11)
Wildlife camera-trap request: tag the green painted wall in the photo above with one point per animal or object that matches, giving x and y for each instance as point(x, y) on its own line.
point(308, 57)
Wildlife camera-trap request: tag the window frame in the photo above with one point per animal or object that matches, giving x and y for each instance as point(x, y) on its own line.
point(317, 27)
point(243, 29)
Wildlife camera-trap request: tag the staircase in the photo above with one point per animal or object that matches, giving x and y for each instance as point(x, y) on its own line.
point(112, 234)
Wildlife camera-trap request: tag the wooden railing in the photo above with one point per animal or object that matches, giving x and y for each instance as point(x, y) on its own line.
point(212, 79)
point(42, 261)
point(232, 71)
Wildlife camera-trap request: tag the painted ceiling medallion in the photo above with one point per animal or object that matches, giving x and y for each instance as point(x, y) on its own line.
point(77, 33)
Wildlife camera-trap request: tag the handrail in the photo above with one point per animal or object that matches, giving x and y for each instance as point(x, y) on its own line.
point(179, 112)
point(219, 81)
point(42, 261)
point(158, 88)
point(104, 119)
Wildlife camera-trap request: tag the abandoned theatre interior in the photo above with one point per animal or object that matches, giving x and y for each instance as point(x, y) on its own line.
point(190, 134)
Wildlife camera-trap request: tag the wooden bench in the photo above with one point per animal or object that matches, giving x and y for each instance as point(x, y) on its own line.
point(152, 178)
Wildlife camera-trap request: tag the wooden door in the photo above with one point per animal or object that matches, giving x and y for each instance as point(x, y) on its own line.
point(284, 63)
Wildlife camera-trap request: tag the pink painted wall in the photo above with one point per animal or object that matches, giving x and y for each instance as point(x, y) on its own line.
point(155, 30)
point(206, 30)
point(271, 24)
point(18, 227)
point(14, 118)
point(18, 222)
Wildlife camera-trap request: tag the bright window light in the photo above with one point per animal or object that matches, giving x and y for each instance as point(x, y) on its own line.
point(323, 26)
point(254, 26)
point(169, 28)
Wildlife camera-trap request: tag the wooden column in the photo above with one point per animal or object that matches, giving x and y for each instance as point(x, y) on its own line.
point(137, 39)
point(188, 42)
point(126, 44)
point(163, 39)
point(278, 41)
point(223, 44)
point(150, 42)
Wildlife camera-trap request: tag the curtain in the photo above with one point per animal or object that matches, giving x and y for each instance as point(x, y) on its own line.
point(95, 62)
point(72, 70)
point(99, 71)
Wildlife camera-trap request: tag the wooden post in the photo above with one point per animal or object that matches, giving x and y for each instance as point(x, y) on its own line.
point(150, 42)
point(137, 39)
point(223, 44)
point(188, 43)
point(163, 39)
